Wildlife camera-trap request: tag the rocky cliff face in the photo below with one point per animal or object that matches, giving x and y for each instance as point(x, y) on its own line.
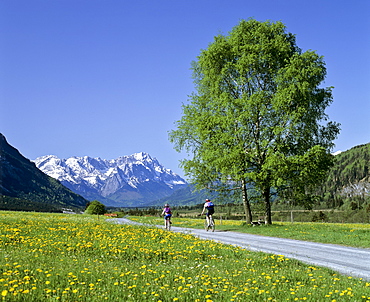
point(126, 181)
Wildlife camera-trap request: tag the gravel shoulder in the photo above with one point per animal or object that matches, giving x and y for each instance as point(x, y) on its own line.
point(345, 260)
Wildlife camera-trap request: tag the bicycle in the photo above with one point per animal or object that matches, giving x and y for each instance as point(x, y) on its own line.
point(211, 225)
point(168, 223)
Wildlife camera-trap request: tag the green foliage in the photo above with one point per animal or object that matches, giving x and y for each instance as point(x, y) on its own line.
point(348, 180)
point(95, 208)
point(16, 204)
point(258, 115)
point(319, 217)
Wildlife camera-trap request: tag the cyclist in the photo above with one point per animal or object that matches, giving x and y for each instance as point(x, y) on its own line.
point(210, 207)
point(167, 213)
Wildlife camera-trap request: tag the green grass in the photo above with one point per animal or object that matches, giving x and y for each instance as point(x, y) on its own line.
point(356, 235)
point(55, 257)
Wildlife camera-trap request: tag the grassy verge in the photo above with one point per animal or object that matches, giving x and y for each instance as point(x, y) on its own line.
point(54, 257)
point(356, 235)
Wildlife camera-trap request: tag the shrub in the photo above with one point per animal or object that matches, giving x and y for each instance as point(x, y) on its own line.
point(96, 208)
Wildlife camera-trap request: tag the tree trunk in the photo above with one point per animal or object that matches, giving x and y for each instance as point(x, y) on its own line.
point(266, 196)
point(247, 207)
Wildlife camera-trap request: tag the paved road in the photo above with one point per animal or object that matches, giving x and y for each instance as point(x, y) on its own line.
point(346, 260)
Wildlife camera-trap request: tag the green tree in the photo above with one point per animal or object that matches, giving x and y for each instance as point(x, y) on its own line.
point(95, 208)
point(257, 118)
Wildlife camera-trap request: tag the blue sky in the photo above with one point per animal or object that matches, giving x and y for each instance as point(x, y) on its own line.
point(108, 78)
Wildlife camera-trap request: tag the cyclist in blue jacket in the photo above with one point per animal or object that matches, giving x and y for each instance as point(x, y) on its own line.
point(210, 208)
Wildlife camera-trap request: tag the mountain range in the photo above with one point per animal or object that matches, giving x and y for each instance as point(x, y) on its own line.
point(26, 188)
point(134, 180)
point(140, 180)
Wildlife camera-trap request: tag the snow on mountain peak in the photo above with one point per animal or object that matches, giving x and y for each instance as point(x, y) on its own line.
point(105, 177)
point(140, 156)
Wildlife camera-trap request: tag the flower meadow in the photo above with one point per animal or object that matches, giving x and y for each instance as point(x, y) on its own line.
point(57, 257)
point(350, 234)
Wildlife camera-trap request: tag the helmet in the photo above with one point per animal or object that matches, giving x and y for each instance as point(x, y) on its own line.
point(166, 205)
point(207, 199)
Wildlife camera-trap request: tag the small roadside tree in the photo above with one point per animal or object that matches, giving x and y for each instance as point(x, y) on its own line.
point(95, 208)
point(257, 118)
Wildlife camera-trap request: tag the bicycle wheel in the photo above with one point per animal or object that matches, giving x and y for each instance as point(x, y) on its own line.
point(212, 223)
point(206, 227)
point(168, 225)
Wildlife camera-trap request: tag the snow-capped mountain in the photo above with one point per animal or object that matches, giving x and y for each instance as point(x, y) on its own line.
point(132, 180)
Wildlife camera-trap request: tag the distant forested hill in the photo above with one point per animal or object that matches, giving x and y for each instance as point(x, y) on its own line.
point(24, 187)
point(350, 176)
